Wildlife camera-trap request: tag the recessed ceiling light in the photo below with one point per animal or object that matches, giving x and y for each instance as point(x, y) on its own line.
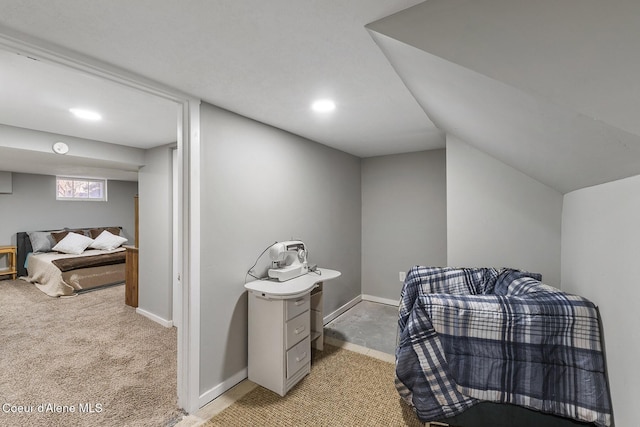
point(85, 114)
point(323, 106)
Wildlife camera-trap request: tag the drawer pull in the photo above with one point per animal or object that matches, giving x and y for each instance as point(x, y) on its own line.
point(299, 330)
point(301, 357)
point(299, 302)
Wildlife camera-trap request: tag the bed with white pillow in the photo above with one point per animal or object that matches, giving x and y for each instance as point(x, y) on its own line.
point(66, 262)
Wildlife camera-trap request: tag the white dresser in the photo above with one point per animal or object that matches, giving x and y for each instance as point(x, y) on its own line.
point(285, 318)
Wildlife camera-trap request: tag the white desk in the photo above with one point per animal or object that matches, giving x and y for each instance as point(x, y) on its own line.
point(284, 319)
point(292, 288)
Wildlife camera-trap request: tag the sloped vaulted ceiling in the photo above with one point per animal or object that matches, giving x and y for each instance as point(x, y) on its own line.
point(547, 87)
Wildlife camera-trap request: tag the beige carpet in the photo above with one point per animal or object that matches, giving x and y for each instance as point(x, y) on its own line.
point(89, 356)
point(344, 389)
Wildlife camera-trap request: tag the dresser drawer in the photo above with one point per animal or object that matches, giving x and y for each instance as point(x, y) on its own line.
point(297, 329)
point(297, 306)
point(298, 357)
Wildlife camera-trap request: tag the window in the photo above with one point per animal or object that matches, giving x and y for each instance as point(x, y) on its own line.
point(81, 189)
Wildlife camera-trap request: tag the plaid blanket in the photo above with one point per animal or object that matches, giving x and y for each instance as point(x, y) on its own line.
point(480, 334)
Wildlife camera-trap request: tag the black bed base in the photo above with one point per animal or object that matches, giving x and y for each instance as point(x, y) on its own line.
point(489, 414)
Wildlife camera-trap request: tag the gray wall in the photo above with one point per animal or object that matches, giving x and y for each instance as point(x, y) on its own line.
point(404, 218)
point(600, 252)
point(155, 232)
point(6, 185)
point(260, 185)
point(33, 206)
point(499, 217)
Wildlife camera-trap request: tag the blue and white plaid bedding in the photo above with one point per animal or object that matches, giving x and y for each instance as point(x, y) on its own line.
point(480, 334)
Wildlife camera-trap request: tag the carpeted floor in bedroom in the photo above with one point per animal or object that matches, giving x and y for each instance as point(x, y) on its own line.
point(87, 360)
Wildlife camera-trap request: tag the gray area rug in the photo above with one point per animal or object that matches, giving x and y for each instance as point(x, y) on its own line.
point(87, 360)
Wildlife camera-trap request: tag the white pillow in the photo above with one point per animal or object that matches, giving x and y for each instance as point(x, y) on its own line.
point(107, 241)
point(73, 243)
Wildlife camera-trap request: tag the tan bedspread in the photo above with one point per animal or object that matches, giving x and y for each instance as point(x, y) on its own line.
point(49, 279)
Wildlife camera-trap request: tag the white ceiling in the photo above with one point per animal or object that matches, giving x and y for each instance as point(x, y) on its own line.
point(38, 95)
point(548, 87)
point(266, 61)
point(579, 54)
point(557, 146)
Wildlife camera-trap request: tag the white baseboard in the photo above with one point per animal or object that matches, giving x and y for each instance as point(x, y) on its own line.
point(329, 317)
point(216, 391)
point(164, 322)
point(380, 300)
point(363, 297)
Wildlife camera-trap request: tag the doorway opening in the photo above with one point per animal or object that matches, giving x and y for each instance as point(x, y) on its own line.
point(184, 278)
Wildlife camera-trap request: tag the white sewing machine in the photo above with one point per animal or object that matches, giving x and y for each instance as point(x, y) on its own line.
point(288, 260)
